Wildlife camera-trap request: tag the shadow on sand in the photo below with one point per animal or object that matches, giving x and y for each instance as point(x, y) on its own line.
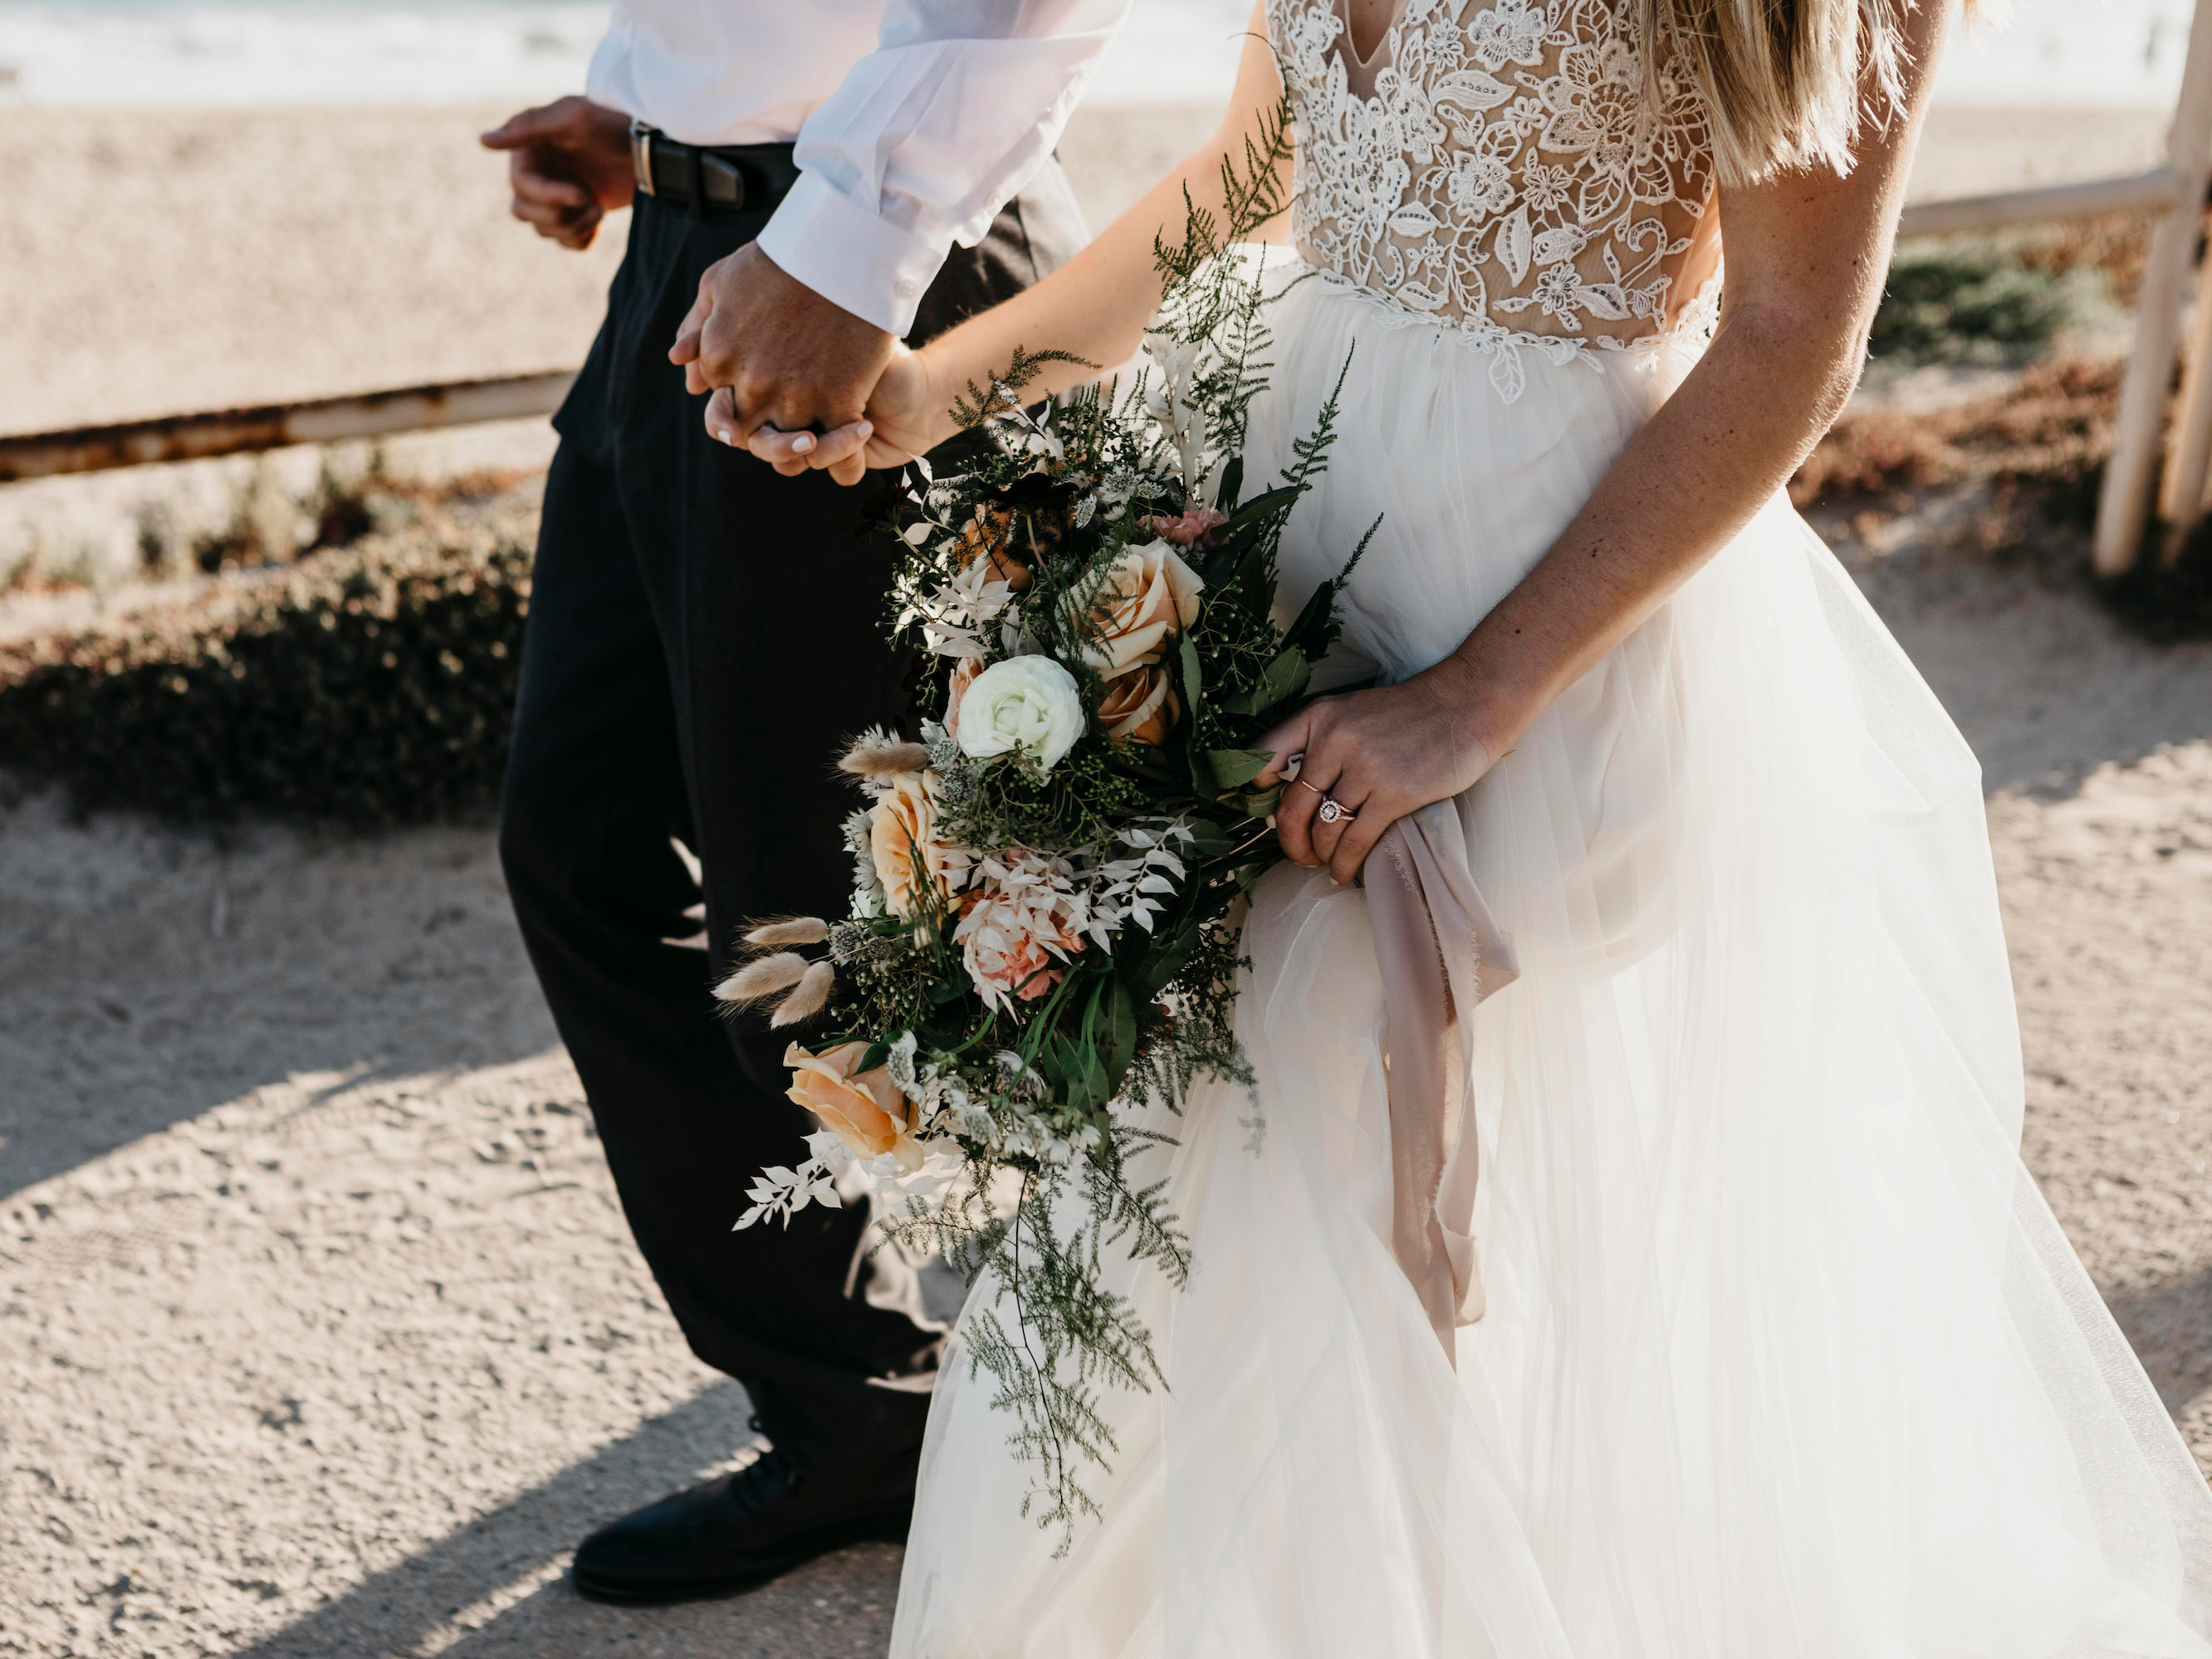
point(447, 1598)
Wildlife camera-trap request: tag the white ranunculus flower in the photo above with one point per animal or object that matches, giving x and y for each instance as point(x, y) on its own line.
point(1023, 702)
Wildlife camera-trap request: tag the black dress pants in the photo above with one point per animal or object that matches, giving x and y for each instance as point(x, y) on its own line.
point(701, 634)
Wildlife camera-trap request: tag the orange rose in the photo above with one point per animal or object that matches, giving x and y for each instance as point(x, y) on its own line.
point(867, 1112)
point(912, 864)
point(1148, 594)
point(987, 534)
point(1141, 706)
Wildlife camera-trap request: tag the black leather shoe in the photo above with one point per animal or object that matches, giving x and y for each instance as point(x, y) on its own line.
point(738, 1531)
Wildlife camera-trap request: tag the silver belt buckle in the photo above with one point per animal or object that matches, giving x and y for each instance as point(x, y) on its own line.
point(640, 154)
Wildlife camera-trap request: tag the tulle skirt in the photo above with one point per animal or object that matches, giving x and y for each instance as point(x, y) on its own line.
point(1784, 1357)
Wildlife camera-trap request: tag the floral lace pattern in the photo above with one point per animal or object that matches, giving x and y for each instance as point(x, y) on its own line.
point(1503, 171)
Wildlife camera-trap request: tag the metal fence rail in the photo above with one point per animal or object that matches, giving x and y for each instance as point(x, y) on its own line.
point(274, 426)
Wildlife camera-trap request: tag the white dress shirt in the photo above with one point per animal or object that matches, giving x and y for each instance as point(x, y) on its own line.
point(915, 120)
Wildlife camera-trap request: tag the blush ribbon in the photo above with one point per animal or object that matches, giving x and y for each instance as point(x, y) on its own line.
point(1440, 954)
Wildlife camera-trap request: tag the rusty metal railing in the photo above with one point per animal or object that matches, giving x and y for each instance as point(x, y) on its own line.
point(275, 426)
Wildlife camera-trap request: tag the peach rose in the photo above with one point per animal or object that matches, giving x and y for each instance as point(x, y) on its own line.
point(866, 1112)
point(1148, 594)
point(1140, 706)
point(964, 675)
point(914, 866)
point(1003, 942)
point(988, 535)
point(1186, 529)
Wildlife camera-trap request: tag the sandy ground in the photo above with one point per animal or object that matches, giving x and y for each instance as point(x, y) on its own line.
point(320, 1333)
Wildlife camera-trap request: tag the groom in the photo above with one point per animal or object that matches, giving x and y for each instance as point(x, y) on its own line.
point(701, 634)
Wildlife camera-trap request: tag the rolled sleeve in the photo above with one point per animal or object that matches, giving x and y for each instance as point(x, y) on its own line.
point(850, 256)
point(926, 139)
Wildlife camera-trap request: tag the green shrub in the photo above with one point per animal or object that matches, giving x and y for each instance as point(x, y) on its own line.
point(1965, 307)
point(366, 685)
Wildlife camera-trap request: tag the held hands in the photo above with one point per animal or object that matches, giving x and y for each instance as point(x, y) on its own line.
point(568, 166)
point(905, 417)
point(780, 359)
point(1380, 755)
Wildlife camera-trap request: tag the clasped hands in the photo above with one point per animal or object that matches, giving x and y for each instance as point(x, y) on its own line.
point(800, 382)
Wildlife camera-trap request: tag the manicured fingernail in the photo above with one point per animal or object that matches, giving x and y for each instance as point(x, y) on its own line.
point(803, 444)
point(865, 429)
point(727, 436)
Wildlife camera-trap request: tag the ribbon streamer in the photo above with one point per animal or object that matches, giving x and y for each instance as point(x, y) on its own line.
point(1440, 954)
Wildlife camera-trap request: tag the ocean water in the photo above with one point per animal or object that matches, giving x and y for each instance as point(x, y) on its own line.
point(293, 51)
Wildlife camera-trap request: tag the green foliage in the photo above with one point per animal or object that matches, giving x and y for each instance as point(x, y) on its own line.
point(369, 686)
point(1952, 307)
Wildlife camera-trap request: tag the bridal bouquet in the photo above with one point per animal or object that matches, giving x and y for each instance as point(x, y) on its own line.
point(1041, 935)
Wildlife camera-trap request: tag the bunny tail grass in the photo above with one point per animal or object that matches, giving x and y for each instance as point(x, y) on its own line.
point(876, 756)
point(811, 997)
point(789, 930)
point(756, 981)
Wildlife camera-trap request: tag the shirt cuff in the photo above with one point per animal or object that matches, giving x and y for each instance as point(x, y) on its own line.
point(848, 256)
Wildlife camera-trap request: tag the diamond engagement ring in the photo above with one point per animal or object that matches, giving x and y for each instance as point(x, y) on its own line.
point(1334, 810)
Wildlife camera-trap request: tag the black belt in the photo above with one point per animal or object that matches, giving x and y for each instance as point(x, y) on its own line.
point(706, 179)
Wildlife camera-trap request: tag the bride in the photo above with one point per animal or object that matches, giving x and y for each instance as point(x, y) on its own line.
point(1783, 1356)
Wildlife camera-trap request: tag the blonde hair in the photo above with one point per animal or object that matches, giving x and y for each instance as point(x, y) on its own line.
point(1784, 83)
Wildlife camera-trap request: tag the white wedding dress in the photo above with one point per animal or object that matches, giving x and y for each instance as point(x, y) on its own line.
point(1784, 1356)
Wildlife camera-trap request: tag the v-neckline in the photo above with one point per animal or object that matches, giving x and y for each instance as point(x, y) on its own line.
point(1364, 62)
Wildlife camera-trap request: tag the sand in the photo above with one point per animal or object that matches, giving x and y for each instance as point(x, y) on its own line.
point(323, 1336)
point(320, 1331)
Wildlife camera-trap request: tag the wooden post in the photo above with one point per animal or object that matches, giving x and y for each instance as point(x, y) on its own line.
point(2125, 502)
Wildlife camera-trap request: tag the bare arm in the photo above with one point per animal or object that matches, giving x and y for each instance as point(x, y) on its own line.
point(1807, 257)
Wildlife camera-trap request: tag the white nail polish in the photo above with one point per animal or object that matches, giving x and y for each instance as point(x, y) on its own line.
point(725, 435)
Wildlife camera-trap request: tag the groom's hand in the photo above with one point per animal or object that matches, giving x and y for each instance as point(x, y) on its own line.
point(787, 357)
point(568, 166)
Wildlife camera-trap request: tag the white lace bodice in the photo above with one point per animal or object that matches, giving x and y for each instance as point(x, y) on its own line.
point(1501, 170)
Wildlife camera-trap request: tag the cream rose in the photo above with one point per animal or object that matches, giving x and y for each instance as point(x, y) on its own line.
point(911, 863)
point(1141, 706)
point(866, 1112)
point(1025, 702)
point(1148, 594)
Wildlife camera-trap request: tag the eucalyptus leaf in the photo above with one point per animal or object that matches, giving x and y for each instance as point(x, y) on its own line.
point(1232, 766)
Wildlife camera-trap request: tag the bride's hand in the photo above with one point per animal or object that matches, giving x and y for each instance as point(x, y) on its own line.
point(905, 418)
point(1380, 755)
